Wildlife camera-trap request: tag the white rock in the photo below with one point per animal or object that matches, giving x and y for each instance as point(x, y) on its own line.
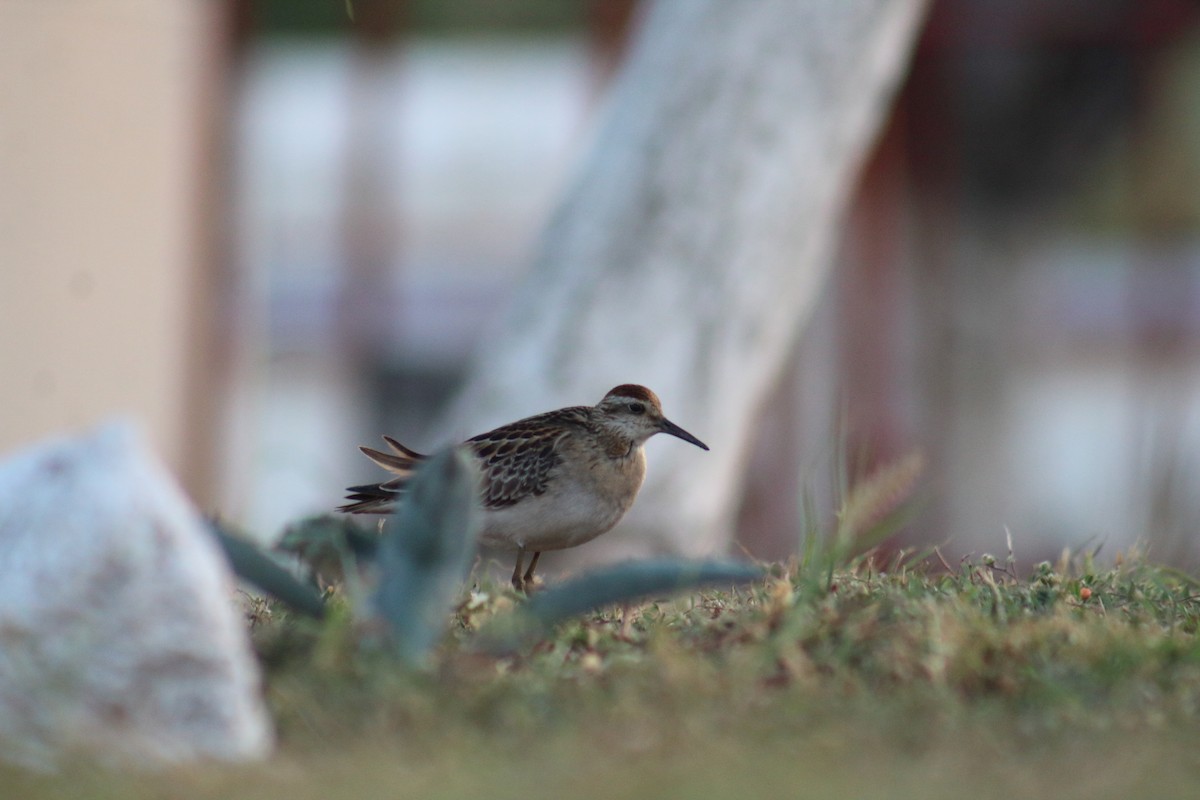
point(119, 637)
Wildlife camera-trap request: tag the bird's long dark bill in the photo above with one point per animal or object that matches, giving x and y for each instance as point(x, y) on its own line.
point(675, 430)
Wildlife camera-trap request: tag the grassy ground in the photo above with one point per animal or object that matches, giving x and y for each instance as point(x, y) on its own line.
point(860, 682)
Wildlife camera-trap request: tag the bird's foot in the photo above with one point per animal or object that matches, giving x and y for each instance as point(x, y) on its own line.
point(527, 585)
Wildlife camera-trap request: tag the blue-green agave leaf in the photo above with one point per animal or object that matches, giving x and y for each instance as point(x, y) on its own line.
point(259, 569)
point(426, 551)
point(620, 583)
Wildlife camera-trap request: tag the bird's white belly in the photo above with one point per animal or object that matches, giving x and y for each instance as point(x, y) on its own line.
point(552, 521)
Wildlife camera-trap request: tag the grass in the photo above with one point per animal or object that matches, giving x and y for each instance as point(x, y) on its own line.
point(861, 681)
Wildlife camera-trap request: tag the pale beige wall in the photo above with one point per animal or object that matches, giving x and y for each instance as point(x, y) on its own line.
point(102, 145)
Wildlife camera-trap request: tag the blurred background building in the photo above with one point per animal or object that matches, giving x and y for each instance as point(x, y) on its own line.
point(273, 233)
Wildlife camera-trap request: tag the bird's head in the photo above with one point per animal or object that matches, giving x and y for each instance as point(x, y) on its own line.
point(636, 413)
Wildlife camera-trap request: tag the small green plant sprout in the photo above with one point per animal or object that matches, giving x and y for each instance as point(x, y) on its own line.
point(332, 547)
point(425, 552)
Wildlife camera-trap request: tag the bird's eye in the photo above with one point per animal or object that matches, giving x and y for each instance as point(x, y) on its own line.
point(637, 408)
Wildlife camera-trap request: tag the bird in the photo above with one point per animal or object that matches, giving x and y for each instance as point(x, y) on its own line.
point(547, 482)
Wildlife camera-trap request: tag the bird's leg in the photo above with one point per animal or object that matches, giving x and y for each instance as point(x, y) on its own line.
point(532, 565)
point(517, 581)
point(626, 623)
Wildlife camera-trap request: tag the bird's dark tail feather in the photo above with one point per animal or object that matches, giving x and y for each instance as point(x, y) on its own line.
point(370, 498)
point(380, 498)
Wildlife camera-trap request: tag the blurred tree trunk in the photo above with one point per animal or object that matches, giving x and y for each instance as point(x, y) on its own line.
point(689, 250)
point(109, 195)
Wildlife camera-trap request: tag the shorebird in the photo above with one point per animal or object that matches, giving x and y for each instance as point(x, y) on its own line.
point(550, 481)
